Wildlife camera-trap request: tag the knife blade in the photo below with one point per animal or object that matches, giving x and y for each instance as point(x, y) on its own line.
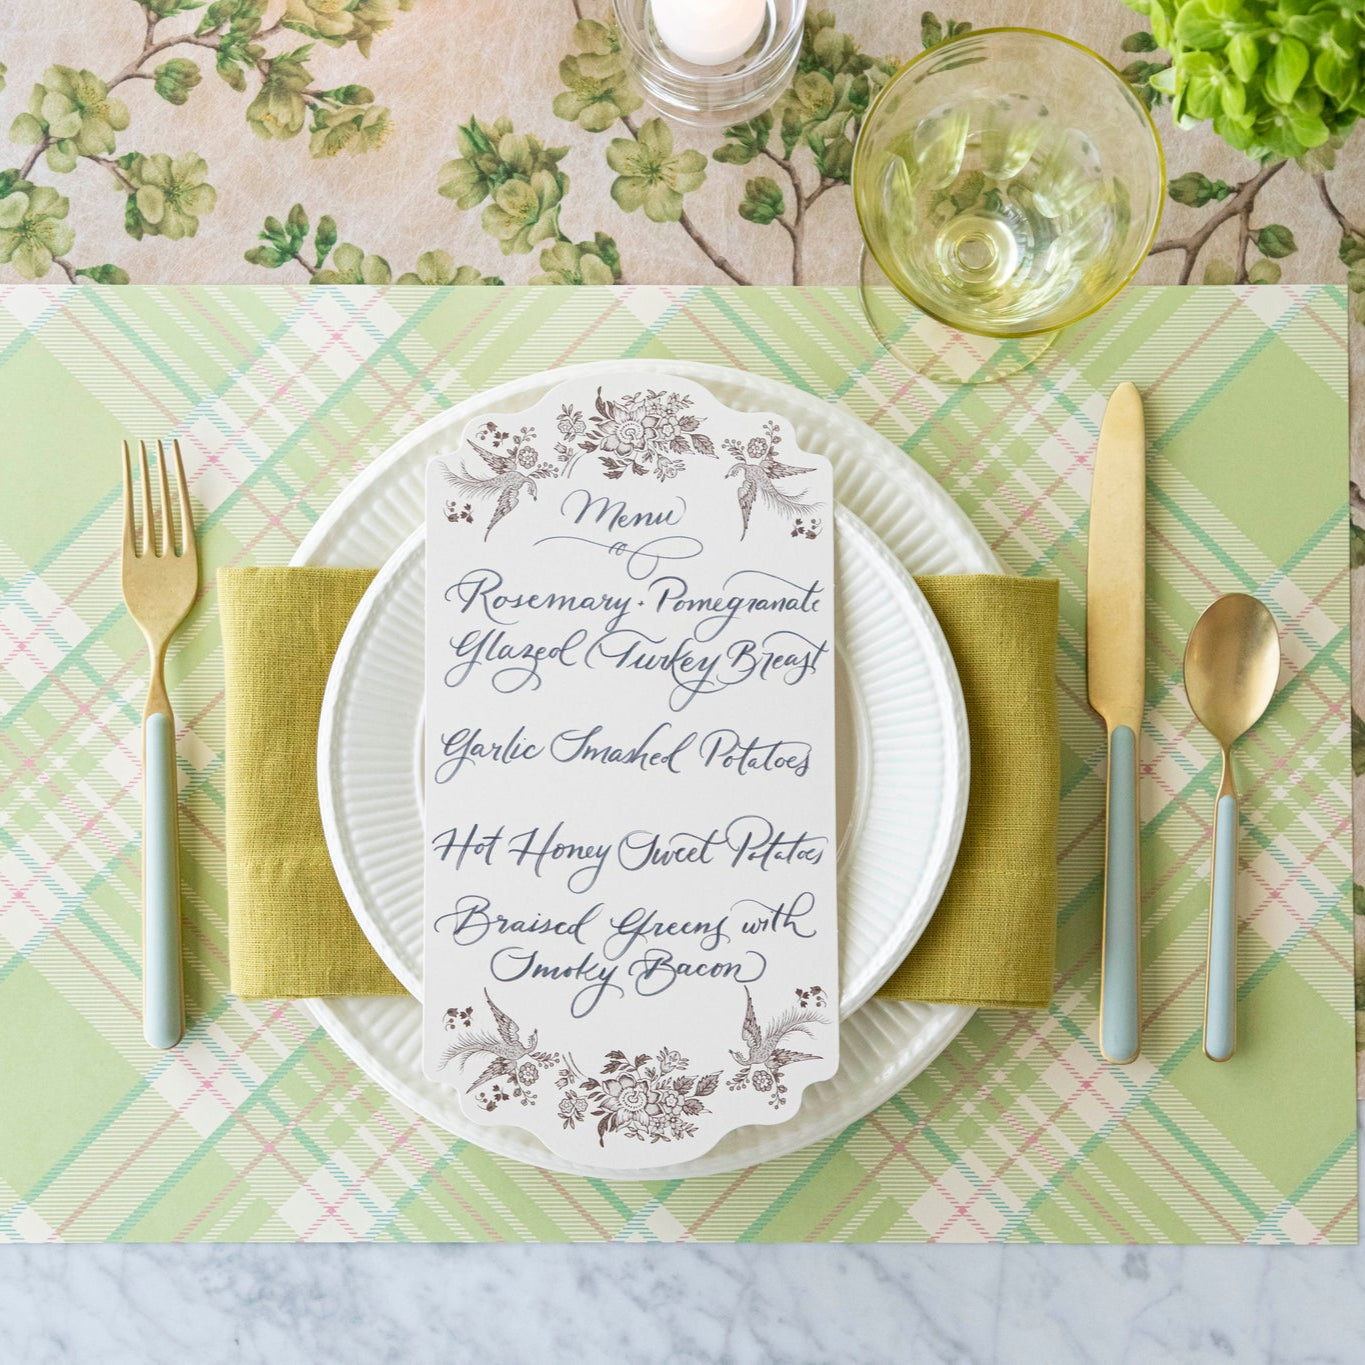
point(1116, 660)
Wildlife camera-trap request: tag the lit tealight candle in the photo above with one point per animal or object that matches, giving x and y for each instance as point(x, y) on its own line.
point(709, 32)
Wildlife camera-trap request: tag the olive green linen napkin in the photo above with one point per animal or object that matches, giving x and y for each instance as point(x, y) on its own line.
point(993, 938)
point(290, 931)
point(991, 941)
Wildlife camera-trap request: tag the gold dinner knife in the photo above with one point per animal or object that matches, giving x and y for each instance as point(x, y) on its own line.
point(1115, 646)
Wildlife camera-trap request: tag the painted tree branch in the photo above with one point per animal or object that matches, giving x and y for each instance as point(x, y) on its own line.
point(115, 170)
point(210, 40)
point(1238, 205)
point(711, 253)
point(716, 258)
point(1243, 238)
point(31, 159)
point(1347, 227)
point(801, 203)
point(134, 68)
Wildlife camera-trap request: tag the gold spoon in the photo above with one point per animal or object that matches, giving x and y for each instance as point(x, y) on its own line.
point(1232, 663)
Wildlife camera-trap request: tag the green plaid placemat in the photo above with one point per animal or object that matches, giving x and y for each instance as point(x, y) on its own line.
point(259, 1128)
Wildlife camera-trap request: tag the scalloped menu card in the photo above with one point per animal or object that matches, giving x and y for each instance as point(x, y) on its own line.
point(631, 919)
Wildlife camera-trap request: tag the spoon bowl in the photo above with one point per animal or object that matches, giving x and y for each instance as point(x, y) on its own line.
point(1232, 663)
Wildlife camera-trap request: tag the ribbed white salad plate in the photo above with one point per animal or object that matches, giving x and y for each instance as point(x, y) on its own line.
point(883, 1043)
point(901, 800)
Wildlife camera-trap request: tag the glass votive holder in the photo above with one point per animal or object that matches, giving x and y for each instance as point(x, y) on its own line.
point(711, 96)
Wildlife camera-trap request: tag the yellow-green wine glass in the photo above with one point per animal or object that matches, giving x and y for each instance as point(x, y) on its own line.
point(1007, 183)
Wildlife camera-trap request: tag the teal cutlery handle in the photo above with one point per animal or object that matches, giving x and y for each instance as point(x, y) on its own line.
point(163, 991)
point(1220, 1000)
point(1119, 1034)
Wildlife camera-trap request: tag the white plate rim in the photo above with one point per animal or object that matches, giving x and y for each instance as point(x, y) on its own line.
point(961, 549)
point(921, 897)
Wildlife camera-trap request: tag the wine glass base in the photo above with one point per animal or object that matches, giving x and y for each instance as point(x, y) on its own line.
point(939, 353)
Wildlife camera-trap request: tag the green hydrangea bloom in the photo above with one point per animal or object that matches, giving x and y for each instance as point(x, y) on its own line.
point(1276, 78)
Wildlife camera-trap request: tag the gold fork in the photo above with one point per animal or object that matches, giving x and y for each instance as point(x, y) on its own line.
point(159, 585)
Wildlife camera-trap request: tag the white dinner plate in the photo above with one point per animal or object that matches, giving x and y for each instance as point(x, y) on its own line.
point(901, 802)
point(884, 1044)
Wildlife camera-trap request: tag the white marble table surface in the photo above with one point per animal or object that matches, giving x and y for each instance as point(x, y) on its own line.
point(722, 1305)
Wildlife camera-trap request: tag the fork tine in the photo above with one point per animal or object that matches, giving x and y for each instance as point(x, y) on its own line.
point(148, 513)
point(167, 520)
point(186, 512)
point(129, 544)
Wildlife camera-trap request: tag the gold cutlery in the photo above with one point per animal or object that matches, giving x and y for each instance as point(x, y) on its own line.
point(159, 586)
point(1232, 663)
point(1115, 640)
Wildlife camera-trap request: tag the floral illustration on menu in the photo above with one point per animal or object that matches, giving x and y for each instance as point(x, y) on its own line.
point(651, 433)
point(641, 434)
point(646, 1097)
point(759, 469)
point(509, 1057)
point(513, 468)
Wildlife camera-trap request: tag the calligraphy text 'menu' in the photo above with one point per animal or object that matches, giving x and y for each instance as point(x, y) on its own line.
point(616, 514)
